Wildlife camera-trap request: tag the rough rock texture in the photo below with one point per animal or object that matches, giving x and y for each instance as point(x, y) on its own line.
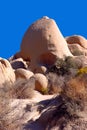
point(77, 50)
point(23, 73)
point(77, 39)
point(43, 43)
point(40, 113)
point(19, 111)
point(7, 75)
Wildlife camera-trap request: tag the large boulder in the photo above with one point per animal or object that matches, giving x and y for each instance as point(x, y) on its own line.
point(77, 39)
point(77, 50)
point(7, 75)
point(43, 43)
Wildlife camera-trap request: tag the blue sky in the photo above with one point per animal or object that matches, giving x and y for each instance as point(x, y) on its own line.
point(17, 15)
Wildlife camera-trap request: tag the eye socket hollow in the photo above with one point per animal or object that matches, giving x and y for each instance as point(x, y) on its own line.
point(47, 59)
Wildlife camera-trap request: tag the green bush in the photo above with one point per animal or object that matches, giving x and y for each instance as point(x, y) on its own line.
point(62, 67)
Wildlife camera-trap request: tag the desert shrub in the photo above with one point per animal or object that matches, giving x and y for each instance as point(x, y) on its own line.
point(4, 109)
point(74, 94)
point(81, 60)
point(75, 88)
point(82, 71)
point(63, 67)
point(6, 91)
point(70, 62)
point(23, 88)
point(44, 91)
point(55, 83)
point(71, 102)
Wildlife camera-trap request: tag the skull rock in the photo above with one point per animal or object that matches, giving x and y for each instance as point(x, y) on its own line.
point(43, 43)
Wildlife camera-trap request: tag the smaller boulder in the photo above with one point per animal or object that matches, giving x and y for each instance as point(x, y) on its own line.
point(22, 73)
point(40, 69)
point(41, 83)
point(18, 63)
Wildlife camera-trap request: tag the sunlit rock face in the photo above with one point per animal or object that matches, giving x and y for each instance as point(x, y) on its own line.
point(43, 43)
point(7, 75)
point(77, 39)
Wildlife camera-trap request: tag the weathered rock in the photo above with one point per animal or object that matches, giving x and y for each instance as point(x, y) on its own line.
point(23, 73)
point(40, 69)
point(43, 43)
point(77, 39)
point(41, 82)
point(18, 63)
point(40, 113)
point(15, 113)
point(7, 75)
point(77, 50)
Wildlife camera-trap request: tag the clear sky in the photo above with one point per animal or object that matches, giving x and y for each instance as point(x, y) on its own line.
point(17, 15)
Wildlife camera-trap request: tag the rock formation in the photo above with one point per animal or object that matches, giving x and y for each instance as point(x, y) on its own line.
point(43, 86)
point(43, 43)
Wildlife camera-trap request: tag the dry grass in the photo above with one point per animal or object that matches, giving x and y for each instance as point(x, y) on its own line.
point(6, 91)
point(23, 89)
point(55, 83)
point(74, 95)
point(4, 109)
point(76, 88)
point(20, 89)
point(71, 103)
